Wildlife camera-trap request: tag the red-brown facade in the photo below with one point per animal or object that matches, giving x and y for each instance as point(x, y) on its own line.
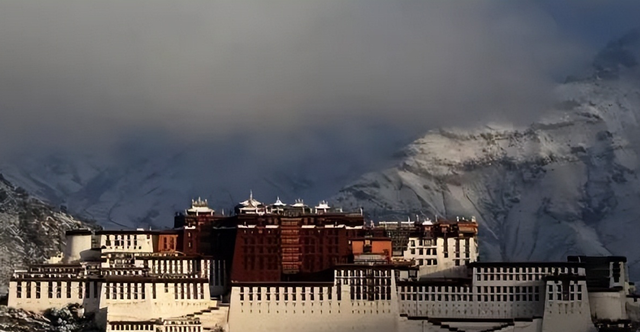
point(286, 248)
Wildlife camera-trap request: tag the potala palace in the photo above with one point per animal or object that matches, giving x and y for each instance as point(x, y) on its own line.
point(294, 267)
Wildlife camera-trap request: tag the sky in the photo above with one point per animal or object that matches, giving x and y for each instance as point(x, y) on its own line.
point(283, 81)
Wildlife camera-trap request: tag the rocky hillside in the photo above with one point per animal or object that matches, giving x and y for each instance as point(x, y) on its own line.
point(53, 320)
point(567, 184)
point(30, 230)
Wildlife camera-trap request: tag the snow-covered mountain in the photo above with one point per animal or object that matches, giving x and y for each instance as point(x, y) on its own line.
point(144, 180)
point(567, 184)
point(30, 230)
point(146, 190)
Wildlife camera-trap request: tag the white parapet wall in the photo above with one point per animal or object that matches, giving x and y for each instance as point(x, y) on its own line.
point(567, 306)
point(38, 295)
point(299, 312)
point(608, 305)
point(134, 301)
point(127, 241)
point(79, 247)
point(441, 257)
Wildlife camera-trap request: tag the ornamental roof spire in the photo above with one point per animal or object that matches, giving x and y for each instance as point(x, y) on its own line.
point(199, 207)
point(251, 202)
point(278, 202)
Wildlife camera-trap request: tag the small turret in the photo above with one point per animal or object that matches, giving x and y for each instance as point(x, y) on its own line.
point(199, 207)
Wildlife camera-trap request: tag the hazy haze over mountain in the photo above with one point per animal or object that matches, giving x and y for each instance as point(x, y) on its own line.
point(124, 110)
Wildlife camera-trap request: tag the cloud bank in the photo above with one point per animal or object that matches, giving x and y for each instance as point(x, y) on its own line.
point(78, 72)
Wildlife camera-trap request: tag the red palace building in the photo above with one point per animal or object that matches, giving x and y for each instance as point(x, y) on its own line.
point(271, 243)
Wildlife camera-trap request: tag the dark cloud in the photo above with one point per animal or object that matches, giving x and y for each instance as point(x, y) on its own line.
point(593, 22)
point(74, 69)
point(286, 82)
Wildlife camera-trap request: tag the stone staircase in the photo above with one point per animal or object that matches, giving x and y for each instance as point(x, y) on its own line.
point(211, 318)
point(502, 327)
point(442, 326)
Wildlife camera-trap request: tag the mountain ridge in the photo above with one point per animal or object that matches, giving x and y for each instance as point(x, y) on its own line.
point(31, 231)
point(566, 184)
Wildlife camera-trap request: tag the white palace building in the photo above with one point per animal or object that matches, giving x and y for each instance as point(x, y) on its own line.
point(403, 276)
point(124, 282)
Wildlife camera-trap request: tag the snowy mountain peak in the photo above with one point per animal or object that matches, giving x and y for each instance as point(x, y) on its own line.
point(566, 184)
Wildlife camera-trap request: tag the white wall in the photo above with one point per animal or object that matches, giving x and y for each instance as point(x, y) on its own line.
point(467, 302)
point(316, 316)
point(608, 305)
point(311, 316)
point(439, 257)
point(167, 303)
point(130, 242)
point(54, 298)
point(78, 247)
point(567, 315)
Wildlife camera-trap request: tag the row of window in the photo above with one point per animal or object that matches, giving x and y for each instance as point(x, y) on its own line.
point(293, 229)
point(57, 289)
point(370, 293)
point(434, 289)
point(183, 329)
point(469, 297)
point(562, 293)
point(185, 291)
point(460, 293)
point(422, 242)
point(362, 273)
point(135, 291)
point(465, 289)
point(131, 327)
point(124, 291)
point(523, 270)
point(48, 269)
point(121, 240)
point(170, 266)
point(370, 296)
point(509, 297)
point(508, 289)
point(285, 293)
point(505, 277)
point(363, 281)
point(437, 311)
